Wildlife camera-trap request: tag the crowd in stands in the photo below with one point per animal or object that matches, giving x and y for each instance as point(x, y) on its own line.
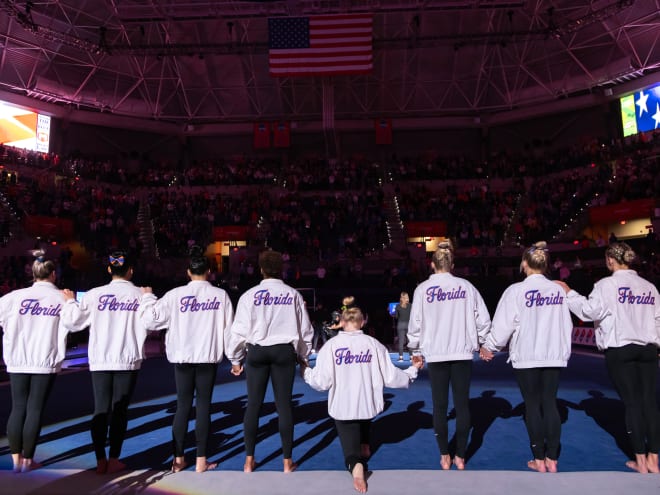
point(474, 214)
point(332, 212)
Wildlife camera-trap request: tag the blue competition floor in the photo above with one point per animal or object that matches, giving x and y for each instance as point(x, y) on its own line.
point(593, 434)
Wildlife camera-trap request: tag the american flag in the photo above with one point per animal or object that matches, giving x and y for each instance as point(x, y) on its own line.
point(322, 45)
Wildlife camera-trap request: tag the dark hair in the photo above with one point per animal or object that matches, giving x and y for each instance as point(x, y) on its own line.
point(41, 268)
point(119, 262)
point(199, 263)
point(271, 264)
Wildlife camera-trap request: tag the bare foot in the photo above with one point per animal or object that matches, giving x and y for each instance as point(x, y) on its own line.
point(201, 465)
point(652, 463)
point(115, 465)
point(640, 468)
point(445, 461)
point(101, 466)
point(359, 483)
point(289, 466)
point(459, 462)
point(365, 450)
point(249, 465)
point(551, 465)
point(179, 464)
point(537, 465)
point(17, 459)
point(30, 465)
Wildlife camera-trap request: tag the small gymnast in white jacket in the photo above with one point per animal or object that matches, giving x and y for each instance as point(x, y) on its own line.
point(354, 368)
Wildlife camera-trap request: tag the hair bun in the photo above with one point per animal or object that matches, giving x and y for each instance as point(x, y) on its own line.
point(39, 254)
point(195, 251)
point(445, 245)
point(629, 256)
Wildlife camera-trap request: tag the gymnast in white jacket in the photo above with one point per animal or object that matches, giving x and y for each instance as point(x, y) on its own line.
point(533, 317)
point(34, 347)
point(197, 317)
point(354, 368)
point(115, 352)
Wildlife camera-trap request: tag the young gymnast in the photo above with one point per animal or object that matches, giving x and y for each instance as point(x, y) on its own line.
point(354, 368)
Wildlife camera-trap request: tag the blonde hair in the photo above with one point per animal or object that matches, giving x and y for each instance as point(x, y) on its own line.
point(443, 258)
point(353, 315)
point(41, 268)
point(621, 252)
point(348, 301)
point(537, 256)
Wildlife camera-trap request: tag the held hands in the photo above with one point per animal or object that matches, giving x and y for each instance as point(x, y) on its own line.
point(304, 364)
point(417, 361)
point(236, 369)
point(485, 354)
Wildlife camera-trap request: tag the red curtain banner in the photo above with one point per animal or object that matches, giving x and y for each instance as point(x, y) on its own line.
point(281, 134)
point(383, 131)
point(261, 135)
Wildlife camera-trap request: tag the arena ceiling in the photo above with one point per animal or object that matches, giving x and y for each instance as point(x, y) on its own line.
point(191, 62)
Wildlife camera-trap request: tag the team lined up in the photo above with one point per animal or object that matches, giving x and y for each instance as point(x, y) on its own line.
point(271, 333)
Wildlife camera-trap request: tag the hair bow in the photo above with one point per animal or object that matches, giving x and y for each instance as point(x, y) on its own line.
point(118, 261)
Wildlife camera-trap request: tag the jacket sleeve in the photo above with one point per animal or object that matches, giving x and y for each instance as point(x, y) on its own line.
point(153, 313)
point(322, 376)
point(481, 317)
point(4, 310)
point(587, 309)
point(415, 323)
point(305, 329)
point(76, 316)
point(505, 321)
point(227, 323)
point(238, 333)
point(393, 377)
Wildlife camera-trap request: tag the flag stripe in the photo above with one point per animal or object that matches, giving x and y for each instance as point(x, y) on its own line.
point(321, 45)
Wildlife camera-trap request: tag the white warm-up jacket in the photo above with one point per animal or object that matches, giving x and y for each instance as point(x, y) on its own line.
point(534, 318)
point(355, 367)
point(34, 339)
point(116, 334)
point(625, 307)
point(448, 319)
point(268, 314)
point(197, 317)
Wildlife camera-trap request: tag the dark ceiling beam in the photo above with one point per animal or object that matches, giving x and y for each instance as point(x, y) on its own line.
point(458, 40)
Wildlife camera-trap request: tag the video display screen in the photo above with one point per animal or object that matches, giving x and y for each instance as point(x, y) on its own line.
point(23, 128)
point(640, 111)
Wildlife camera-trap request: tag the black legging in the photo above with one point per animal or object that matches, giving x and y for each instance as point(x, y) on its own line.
point(633, 370)
point(538, 387)
point(193, 380)
point(277, 363)
point(401, 331)
point(29, 392)
point(112, 396)
point(352, 434)
point(441, 374)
